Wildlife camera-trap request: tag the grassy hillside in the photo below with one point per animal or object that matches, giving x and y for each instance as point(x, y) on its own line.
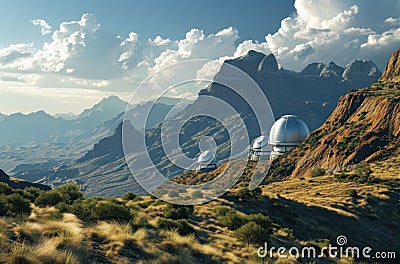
point(61, 226)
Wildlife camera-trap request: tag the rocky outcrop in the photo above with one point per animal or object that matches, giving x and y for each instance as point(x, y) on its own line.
point(20, 184)
point(364, 127)
point(361, 70)
point(332, 71)
point(392, 70)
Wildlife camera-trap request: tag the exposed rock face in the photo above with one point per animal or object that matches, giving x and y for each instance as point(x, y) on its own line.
point(18, 183)
point(332, 71)
point(359, 70)
point(364, 127)
point(392, 70)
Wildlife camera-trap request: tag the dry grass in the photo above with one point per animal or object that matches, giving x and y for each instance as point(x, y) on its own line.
point(43, 252)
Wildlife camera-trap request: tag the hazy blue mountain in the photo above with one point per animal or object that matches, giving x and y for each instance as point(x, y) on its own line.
point(105, 110)
point(36, 127)
point(2, 116)
point(67, 116)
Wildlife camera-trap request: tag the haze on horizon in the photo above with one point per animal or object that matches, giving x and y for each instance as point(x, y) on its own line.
point(63, 58)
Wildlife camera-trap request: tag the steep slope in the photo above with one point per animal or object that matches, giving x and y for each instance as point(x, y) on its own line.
point(364, 127)
point(18, 183)
point(392, 70)
point(103, 111)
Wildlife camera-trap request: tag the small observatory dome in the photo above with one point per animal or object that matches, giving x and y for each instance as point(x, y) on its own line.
point(206, 161)
point(286, 133)
point(261, 149)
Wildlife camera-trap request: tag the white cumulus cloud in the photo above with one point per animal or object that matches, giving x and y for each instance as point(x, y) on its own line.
point(45, 28)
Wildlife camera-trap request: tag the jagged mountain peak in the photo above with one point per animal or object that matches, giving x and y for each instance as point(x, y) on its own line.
point(268, 64)
point(392, 70)
point(358, 69)
point(314, 68)
point(332, 70)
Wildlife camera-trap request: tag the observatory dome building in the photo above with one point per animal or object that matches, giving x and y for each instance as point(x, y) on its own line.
point(260, 150)
point(286, 133)
point(206, 161)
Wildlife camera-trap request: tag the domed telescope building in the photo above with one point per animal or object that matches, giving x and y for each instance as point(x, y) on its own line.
point(286, 133)
point(261, 150)
point(206, 161)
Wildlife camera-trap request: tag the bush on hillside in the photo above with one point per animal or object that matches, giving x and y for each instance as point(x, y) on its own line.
point(317, 172)
point(252, 233)
point(174, 211)
point(182, 226)
point(231, 220)
point(14, 204)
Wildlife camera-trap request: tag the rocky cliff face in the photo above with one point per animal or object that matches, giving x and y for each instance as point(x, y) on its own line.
point(364, 127)
point(392, 70)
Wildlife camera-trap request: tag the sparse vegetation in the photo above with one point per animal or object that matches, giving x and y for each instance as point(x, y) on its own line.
point(317, 172)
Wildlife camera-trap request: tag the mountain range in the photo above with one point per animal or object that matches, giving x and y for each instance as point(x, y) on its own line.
point(312, 94)
point(364, 127)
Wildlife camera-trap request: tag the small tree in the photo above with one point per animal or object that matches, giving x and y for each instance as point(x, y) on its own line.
point(18, 205)
point(252, 233)
point(49, 198)
point(129, 196)
point(69, 193)
point(231, 220)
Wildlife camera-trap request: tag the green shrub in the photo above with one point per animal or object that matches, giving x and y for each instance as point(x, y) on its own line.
point(129, 196)
point(363, 170)
point(221, 211)
point(246, 193)
point(352, 193)
point(5, 189)
point(69, 193)
point(49, 198)
point(252, 233)
point(174, 211)
point(262, 220)
point(182, 226)
point(18, 205)
point(4, 205)
point(92, 210)
point(231, 220)
point(317, 172)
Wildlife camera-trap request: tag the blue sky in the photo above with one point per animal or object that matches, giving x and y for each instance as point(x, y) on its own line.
point(172, 18)
point(64, 56)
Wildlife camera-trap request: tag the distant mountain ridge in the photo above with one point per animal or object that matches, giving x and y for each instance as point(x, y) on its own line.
point(20, 184)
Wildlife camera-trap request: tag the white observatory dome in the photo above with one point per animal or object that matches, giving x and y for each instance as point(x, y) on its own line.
point(286, 133)
point(260, 142)
point(261, 149)
point(206, 161)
